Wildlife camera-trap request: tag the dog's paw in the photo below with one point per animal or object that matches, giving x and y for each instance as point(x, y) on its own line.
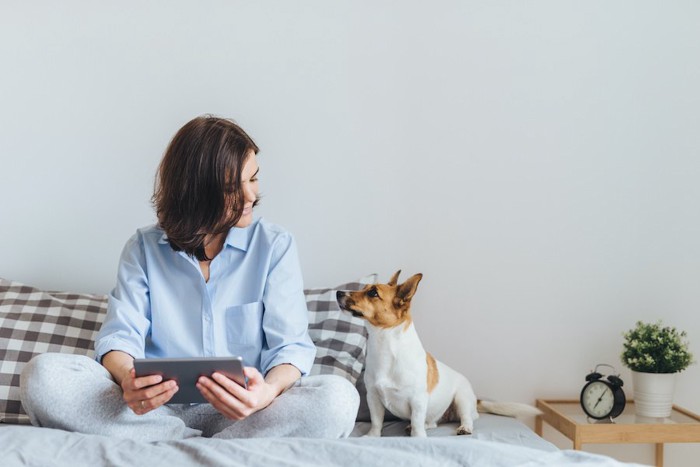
point(417, 433)
point(374, 433)
point(462, 430)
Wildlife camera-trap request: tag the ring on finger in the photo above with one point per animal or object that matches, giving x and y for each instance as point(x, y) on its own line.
point(143, 404)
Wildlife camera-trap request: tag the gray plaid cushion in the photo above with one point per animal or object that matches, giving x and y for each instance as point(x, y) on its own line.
point(340, 338)
point(33, 322)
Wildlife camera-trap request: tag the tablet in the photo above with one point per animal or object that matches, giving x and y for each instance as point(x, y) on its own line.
point(186, 371)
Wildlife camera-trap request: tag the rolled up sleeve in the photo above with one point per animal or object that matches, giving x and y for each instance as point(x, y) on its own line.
point(285, 318)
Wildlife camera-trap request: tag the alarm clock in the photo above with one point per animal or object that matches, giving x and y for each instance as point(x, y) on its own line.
point(603, 397)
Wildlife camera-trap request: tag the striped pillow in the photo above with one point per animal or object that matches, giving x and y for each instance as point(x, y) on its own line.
point(340, 338)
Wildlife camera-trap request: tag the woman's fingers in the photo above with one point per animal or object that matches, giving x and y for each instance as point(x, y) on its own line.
point(253, 375)
point(147, 393)
point(236, 404)
point(248, 397)
point(214, 394)
point(233, 400)
point(131, 382)
point(154, 391)
point(145, 381)
point(146, 405)
point(233, 388)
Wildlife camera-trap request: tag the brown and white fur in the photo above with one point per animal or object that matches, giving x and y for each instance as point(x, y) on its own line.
point(401, 376)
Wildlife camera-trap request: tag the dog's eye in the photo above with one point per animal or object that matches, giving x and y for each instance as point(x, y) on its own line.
point(372, 293)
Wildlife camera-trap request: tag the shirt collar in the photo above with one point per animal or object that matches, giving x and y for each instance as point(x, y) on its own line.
point(237, 237)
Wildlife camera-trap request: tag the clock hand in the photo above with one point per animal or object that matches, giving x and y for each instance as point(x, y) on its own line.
point(600, 398)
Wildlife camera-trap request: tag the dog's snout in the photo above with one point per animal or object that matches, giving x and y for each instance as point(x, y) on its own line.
point(340, 298)
point(344, 300)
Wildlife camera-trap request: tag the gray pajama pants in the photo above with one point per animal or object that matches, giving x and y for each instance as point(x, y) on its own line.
point(75, 393)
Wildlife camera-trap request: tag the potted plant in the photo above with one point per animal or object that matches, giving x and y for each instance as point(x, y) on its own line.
point(655, 354)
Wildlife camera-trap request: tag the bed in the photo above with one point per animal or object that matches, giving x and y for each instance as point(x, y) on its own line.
point(33, 321)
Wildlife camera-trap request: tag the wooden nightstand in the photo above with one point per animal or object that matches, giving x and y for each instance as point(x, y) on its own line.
point(567, 417)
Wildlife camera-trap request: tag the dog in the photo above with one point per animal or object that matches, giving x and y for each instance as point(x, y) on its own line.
point(401, 376)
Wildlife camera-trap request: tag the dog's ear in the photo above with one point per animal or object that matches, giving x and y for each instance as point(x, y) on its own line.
point(395, 278)
point(406, 290)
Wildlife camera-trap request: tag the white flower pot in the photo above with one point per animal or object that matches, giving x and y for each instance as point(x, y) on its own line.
point(653, 393)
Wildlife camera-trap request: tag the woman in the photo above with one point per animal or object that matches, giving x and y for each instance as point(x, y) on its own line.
point(207, 280)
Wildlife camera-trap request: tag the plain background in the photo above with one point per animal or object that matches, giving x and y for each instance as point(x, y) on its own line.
point(537, 161)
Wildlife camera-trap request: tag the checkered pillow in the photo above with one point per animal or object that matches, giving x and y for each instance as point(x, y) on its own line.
point(33, 322)
point(340, 338)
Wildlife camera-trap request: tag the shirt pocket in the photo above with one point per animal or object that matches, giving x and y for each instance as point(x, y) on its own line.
point(244, 325)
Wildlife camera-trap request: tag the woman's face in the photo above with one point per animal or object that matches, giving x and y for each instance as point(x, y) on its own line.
point(249, 186)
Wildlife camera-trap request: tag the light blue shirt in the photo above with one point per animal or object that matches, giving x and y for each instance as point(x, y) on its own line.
point(252, 306)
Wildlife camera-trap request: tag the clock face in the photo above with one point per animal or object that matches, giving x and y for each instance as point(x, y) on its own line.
point(598, 399)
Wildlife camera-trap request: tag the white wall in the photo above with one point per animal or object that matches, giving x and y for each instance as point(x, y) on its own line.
point(537, 161)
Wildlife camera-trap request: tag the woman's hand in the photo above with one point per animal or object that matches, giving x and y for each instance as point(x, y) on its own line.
point(233, 400)
point(147, 392)
point(141, 394)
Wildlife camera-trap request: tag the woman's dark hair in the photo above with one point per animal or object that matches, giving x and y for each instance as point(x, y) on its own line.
point(198, 184)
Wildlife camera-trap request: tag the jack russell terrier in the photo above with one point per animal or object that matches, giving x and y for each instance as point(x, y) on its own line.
point(401, 376)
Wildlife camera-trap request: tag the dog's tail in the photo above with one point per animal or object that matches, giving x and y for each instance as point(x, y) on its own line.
point(509, 409)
